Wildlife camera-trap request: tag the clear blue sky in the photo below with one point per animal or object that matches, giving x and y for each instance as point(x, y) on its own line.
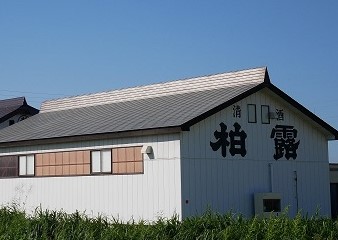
point(51, 49)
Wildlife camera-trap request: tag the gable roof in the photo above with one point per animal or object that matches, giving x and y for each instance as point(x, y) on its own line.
point(177, 104)
point(13, 106)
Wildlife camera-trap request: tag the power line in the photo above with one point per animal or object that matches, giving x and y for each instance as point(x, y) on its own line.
point(41, 93)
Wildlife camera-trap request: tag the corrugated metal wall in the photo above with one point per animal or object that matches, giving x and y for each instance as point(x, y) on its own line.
point(223, 184)
point(146, 196)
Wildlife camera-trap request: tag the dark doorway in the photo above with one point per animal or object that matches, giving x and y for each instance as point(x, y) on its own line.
point(334, 199)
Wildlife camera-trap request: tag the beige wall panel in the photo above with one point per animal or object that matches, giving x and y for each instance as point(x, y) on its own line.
point(58, 170)
point(86, 157)
point(65, 158)
point(52, 158)
point(45, 170)
point(52, 170)
point(138, 154)
point(45, 159)
point(58, 158)
point(116, 168)
point(72, 169)
point(38, 171)
point(114, 155)
point(79, 157)
point(65, 170)
point(130, 167)
point(79, 169)
point(38, 159)
point(86, 169)
point(122, 167)
point(130, 155)
point(121, 155)
point(72, 157)
point(138, 167)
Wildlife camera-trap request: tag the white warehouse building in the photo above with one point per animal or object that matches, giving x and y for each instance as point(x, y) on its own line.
point(225, 142)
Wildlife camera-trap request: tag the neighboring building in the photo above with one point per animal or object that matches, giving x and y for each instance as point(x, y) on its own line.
point(15, 110)
point(334, 189)
point(230, 141)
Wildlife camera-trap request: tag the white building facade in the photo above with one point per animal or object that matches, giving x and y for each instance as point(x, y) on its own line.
point(213, 142)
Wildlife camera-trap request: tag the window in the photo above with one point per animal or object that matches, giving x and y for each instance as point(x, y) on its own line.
point(265, 114)
point(9, 166)
point(127, 160)
point(11, 122)
point(271, 205)
point(26, 165)
point(101, 161)
point(252, 118)
point(62, 163)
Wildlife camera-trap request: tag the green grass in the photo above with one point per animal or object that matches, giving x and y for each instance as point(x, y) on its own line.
point(16, 224)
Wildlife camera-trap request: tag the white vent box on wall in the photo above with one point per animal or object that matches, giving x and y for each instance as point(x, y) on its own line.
point(267, 204)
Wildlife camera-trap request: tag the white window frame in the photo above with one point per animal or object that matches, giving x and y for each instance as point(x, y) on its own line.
point(27, 165)
point(252, 113)
point(101, 161)
point(265, 109)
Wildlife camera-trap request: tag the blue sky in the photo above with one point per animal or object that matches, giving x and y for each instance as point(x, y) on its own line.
point(50, 49)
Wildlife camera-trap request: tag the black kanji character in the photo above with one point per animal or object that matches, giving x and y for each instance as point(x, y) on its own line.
point(284, 137)
point(237, 141)
point(236, 111)
point(222, 140)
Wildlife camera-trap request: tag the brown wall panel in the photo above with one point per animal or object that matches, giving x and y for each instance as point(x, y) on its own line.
point(72, 158)
point(45, 159)
point(86, 157)
point(58, 170)
point(130, 154)
point(130, 167)
point(38, 171)
point(58, 158)
point(138, 167)
point(52, 170)
point(86, 169)
point(72, 169)
point(79, 157)
point(52, 158)
point(138, 154)
point(38, 159)
point(65, 158)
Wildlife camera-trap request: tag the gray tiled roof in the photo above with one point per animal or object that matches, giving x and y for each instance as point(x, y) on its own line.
point(9, 105)
point(148, 113)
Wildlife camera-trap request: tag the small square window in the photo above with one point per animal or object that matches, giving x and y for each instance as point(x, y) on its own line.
point(101, 161)
point(271, 205)
point(252, 118)
point(265, 114)
point(26, 165)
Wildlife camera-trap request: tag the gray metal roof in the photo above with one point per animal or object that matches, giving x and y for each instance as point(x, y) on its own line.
point(9, 105)
point(179, 103)
point(148, 113)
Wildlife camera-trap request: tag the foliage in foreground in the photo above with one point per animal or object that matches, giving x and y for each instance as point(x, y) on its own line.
point(15, 224)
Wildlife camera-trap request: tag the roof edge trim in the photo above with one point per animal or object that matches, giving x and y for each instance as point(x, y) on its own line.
point(186, 126)
point(304, 110)
point(68, 139)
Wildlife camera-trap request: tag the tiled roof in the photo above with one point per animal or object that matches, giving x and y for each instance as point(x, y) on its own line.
point(211, 82)
point(179, 103)
point(9, 105)
point(154, 106)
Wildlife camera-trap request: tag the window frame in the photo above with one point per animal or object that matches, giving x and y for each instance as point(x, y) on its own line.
point(100, 161)
point(118, 162)
point(16, 168)
point(26, 174)
point(268, 117)
point(255, 113)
